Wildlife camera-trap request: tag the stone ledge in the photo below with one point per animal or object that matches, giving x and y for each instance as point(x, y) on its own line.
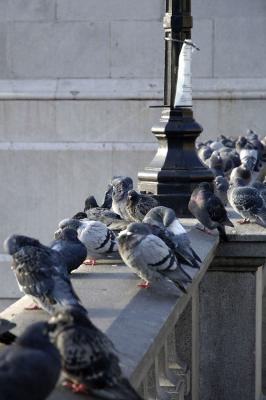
point(137, 321)
point(127, 89)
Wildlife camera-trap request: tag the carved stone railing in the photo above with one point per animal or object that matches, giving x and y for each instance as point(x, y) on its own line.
point(174, 346)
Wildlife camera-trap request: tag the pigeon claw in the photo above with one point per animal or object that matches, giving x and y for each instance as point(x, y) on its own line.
point(144, 285)
point(203, 229)
point(243, 221)
point(75, 387)
point(90, 262)
point(32, 306)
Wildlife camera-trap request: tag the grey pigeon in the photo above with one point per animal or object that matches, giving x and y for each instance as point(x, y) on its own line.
point(90, 364)
point(99, 240)
point(165, 219)
point(208, 209)
point(249, 158)
point(241, 172)
point(149, 257)
point(96, 213)
point(204, 153)
point(6, 337)
point(139, 204)
point(121, 186)
point(221, 185)
point(72, 250)
point(30, 367)
point(215, 163)
point(41, 273)
point(247, 202)
point(107, 201)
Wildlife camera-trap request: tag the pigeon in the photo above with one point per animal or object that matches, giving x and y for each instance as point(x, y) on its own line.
point(164, 219)
point(241, 172)
point(221, 186)
point(100, 241)
point(208, 209)
point(89, 362)
point(248, 202)
point(96, 213)
point(107, 201)
point(216, 164)
point(138, 205)
point(121, 186)
point(6, 337)
point(41, 273)
point(30, 367)
point(204, 153)
point(249, 158)
point(150, 258)
point(72, 250)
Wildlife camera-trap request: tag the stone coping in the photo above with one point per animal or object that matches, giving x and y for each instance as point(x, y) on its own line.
point(137, 320)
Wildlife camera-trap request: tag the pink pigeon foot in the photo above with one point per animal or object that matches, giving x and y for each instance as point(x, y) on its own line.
point(90, 262)
point(32, 306)
point(144, 285)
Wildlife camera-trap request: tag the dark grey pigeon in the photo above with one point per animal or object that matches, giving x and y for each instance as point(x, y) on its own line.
point(164, 219)
point(41, 273)
point(72, 250)
point(121, 186)
point(208, 209)
point(139, 204)
point(6, 337)
point(30, 367)
point(99, 240)
point(247, 202)
point(204, 153)
point(107, 201)
point(216, 164)
point(221, 185)
point(90, 364)
point(149, 256)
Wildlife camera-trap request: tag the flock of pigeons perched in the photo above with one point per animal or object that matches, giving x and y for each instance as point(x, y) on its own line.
point(148, 237)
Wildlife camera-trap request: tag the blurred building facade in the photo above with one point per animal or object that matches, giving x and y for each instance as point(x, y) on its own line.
point(77, 78)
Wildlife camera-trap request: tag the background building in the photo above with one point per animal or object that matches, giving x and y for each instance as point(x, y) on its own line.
point(77, 78)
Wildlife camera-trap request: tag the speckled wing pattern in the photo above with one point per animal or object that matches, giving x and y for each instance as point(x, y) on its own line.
point(138, 210)
point(247, 199)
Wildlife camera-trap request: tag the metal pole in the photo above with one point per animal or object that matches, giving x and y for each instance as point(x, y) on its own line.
point(176, 168)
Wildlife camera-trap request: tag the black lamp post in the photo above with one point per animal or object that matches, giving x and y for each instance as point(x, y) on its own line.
point(176, 168)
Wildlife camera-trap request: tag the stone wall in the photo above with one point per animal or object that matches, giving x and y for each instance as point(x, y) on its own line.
point(77, 78)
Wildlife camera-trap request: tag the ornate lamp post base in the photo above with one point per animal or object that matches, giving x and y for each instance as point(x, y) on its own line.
point(176, 169)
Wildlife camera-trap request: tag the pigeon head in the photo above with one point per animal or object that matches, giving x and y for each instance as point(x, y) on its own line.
point(35, 336)
point(67, 234)
point(205, 186)
point(121, 186)
point(68, 317)
point(80, 215)
point(90, 202)
point(138, 229)
point(132, 196)
point(160, 216)
point(15, 242)
point(237, 182)
point(69, 223)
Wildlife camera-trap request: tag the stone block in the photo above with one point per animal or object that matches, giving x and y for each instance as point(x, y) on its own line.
point(4, 65)
point(59, 49)
point(202, 61)
point(39, 188)
point(228, 8)
point(238, 52)
point(105, 121)
point(9, 288)
point(231, 118)
point(137, 49)
point(27, 121)
point(31, 10)
point(110, 10)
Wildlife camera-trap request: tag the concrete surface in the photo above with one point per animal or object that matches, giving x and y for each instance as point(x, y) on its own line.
point(138, 321)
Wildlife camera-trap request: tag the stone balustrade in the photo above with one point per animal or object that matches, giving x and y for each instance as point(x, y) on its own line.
point(203, 345)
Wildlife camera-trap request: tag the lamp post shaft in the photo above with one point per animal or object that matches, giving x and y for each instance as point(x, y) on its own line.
point(176, 168)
